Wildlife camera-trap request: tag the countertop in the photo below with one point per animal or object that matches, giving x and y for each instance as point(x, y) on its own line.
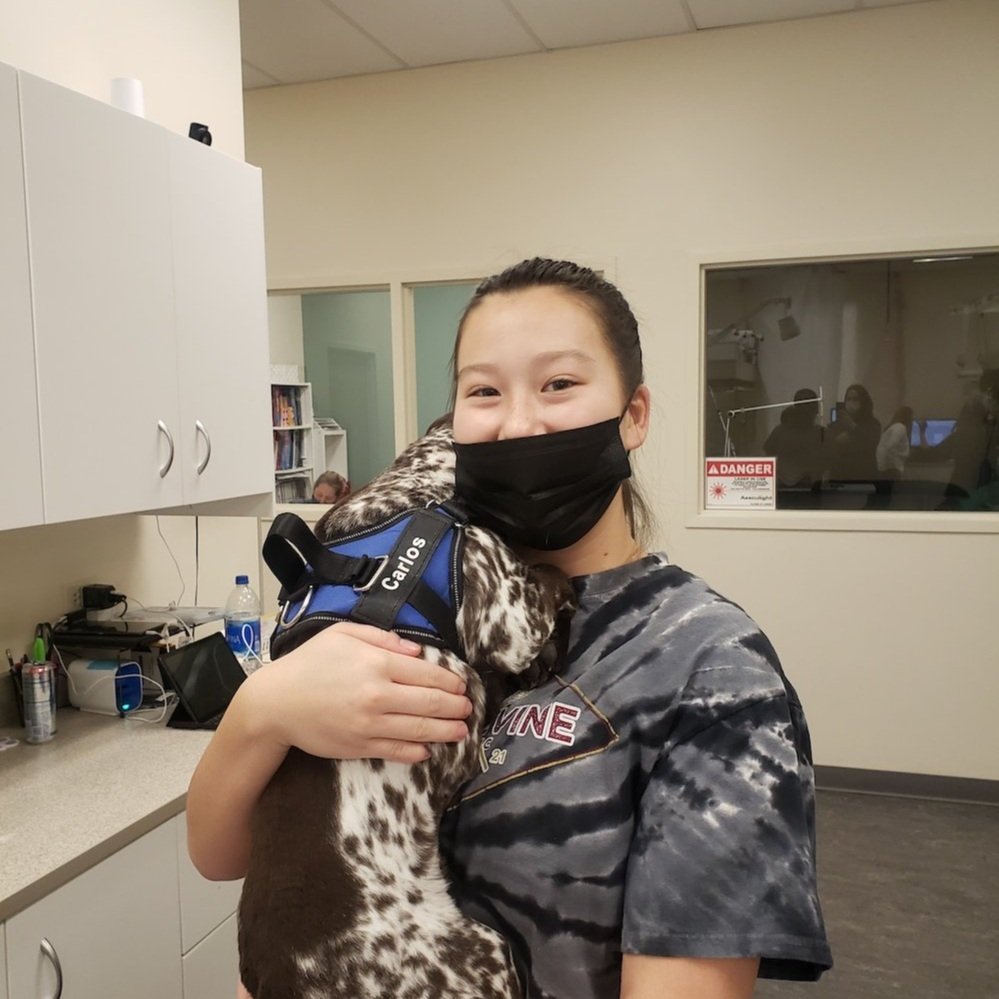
point(67, 804)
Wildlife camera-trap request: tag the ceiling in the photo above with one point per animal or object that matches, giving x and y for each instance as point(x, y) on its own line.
point(295, 41)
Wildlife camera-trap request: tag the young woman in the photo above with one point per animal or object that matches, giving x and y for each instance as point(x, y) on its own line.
point(853, 438)
point(645, 826)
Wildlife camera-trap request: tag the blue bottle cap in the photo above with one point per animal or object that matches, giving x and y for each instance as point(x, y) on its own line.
point(242, 580)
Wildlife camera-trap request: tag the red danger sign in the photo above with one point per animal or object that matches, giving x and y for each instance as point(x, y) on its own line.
point(740, 483)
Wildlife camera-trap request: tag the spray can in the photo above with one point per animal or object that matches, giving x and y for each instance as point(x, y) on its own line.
point(38, 691)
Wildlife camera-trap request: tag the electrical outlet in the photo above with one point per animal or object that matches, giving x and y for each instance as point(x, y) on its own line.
point(77, 598)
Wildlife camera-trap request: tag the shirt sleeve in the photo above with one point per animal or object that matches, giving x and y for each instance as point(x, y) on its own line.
point(723, 858)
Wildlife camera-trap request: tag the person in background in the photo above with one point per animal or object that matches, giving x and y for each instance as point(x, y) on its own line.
point(797, 444)
point(661, 841)
point(852, 438)
point(329, 488)
point(891, 454)
point(973, 446)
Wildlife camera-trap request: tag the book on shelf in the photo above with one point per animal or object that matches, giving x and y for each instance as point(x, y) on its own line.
point(286, 406)
point(289, 452)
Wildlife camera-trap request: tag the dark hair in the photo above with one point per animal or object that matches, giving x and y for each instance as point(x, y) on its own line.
point(905, 416)
point(866, 402)
point(617, 324)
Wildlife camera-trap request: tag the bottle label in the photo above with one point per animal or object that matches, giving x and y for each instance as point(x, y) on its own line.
point(243, 637)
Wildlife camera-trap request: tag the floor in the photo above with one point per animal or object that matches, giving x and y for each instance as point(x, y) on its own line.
point(910, 894)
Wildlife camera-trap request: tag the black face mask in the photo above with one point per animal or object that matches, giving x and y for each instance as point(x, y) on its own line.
point(545, 492)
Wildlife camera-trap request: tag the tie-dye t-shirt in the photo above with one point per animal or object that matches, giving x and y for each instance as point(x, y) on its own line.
point(655, 798)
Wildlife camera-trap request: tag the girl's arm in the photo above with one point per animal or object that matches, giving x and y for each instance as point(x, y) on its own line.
point(350, 692)
point(647, 977)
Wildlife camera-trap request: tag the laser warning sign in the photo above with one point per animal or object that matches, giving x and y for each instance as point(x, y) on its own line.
point(740, 483)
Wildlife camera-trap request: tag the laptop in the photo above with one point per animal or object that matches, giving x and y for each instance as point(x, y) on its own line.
point(205, 675)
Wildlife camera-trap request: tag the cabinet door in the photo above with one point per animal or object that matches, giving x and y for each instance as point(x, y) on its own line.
point(115, 928)
point(19, 457)
point(102, 286)
point(3, 963)
point(204, 905)
point(211, 969)
point(221, 293)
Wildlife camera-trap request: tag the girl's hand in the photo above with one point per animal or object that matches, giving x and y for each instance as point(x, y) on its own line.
point(354, 691)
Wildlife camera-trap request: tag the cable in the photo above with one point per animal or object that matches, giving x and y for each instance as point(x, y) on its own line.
point(183, 585)
point(197, 557)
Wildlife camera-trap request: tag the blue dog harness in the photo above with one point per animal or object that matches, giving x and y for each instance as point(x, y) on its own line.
point(402, 575)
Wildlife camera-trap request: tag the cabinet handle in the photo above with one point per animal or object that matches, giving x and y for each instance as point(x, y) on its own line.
point(164, 429)
point(50, 952)
point(200, 427)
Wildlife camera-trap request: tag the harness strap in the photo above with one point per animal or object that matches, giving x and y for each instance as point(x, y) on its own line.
point(401, 578)
point(299, 560)
point(425, 600)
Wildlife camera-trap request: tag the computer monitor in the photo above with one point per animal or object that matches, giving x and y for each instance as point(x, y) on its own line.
point(935, 432)
point(205, 674)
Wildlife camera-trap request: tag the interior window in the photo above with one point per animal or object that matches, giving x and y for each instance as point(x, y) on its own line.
point(874, 383)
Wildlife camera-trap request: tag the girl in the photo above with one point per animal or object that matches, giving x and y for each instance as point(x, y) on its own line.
point(645, 826)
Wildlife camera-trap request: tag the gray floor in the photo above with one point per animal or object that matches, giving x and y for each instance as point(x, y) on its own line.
point(910, 893)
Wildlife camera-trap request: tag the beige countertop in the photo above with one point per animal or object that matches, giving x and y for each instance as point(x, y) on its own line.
point(67, 804)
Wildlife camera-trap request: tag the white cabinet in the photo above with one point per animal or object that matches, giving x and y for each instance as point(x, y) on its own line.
point(3, 963)
point(115, 929)
point(102, 287)
point(22, 501)
point(221, 311)
point(211, 968)
point(150, 326)
point(204, 905)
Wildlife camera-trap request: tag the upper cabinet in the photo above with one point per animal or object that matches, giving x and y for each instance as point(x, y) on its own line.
point(221, 311)
point(150, 324)
point(22, 503)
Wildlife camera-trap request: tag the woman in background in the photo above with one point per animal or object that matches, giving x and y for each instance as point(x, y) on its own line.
point(852, 439)
point(892, 453)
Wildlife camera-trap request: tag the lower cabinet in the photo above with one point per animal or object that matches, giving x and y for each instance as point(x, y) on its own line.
point(141, 923)
point(114, 930)
point(211, 967)
point(3, 963)
point(207, 927)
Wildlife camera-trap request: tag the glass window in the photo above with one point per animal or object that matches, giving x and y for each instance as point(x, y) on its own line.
point(874, 383)
point(347, 343)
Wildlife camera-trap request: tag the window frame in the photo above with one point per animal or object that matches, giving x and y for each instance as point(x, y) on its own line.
point(697, 516)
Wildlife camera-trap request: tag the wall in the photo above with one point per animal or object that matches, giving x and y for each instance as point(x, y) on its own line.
point(187, 54)
point(284, 328)
point(854, 133)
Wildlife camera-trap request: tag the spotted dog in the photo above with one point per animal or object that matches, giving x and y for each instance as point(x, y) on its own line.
point(345, 896)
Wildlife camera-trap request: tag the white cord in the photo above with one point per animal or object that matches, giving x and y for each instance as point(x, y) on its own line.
point(183, 585)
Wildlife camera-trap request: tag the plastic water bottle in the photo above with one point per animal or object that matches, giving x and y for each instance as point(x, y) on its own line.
point(242, 624)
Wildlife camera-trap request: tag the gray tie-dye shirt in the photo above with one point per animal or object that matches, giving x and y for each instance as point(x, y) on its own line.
point(654, 798)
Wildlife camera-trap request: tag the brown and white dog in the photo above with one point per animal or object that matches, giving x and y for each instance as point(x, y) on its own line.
point(345, 896)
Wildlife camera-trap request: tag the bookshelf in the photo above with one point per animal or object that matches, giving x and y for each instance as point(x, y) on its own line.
point(303, 446)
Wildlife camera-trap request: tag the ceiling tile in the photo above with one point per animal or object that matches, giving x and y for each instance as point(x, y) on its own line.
point(719, 13)
point(298, 40)
point(565, 23)
point(429, 32)
point(253, 78)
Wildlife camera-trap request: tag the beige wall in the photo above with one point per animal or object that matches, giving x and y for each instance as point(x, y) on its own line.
point(186, 52)
point(862, 133)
